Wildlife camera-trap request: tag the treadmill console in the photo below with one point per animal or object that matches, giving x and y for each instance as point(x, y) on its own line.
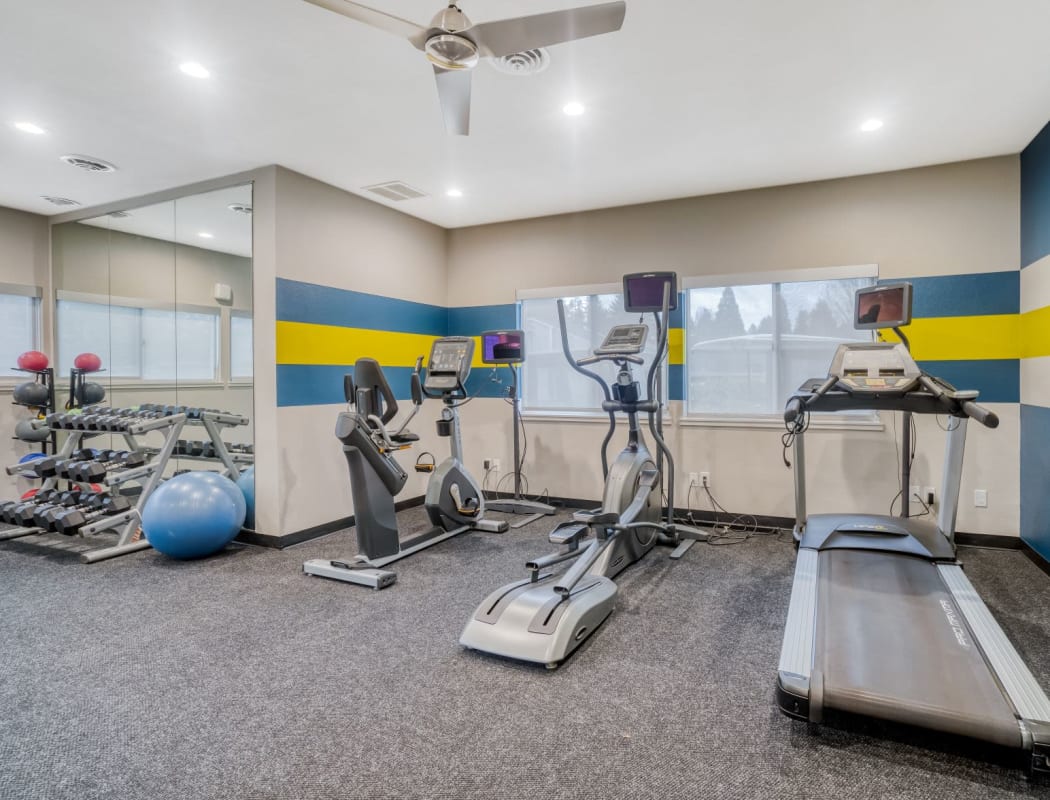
point(878, 367)
point(449, 363)
point(624, 340)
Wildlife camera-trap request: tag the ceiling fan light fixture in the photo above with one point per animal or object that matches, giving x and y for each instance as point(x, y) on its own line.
point(450, 51)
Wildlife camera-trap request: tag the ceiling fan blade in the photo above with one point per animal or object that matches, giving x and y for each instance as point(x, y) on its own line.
point(454, 93)
point(416, 34)
point(507, 36)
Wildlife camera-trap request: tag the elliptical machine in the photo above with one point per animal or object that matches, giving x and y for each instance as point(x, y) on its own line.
point(546, 616)
point(454, 501)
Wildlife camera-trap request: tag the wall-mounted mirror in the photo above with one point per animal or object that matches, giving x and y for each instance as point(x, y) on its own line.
point(162, 294)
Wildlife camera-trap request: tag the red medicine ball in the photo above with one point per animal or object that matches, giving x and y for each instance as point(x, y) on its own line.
point(88, 362)
point(33, 360)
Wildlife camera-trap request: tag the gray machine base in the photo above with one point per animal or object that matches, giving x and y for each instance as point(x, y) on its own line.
point(364, 576)
point(535, 623)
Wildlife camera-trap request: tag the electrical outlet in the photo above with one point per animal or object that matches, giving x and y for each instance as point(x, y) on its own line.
point(495, 464)
point(694, 478)
point(916, 491)
point(980, 498)
point(929, 496)
point(705, 479)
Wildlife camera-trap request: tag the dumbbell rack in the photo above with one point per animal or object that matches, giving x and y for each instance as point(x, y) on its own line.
point(214, 422)
point(127, 524)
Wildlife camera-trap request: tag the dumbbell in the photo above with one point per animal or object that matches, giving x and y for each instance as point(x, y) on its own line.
point(92, 471)
point(10, 509)
point(68, 469)
point(43, 513)
point(193, 448)
point(52, 466)
point(25, 516)
point(70, 522)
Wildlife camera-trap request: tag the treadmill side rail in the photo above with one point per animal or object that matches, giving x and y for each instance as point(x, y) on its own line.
point(1021, 687)
point(796, 653)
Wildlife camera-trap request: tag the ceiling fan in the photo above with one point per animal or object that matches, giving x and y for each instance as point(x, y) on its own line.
point(454, 44)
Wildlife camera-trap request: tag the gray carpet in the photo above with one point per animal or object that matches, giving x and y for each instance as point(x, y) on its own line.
point(239, 677)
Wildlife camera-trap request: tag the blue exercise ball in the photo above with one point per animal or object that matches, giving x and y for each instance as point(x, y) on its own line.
point(193, 515)
point(247, 484)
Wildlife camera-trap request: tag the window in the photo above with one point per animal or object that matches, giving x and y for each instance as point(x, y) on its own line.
point(19, 329)
point(549, 384)
point(240, 347)
point(749, 347)
point(140, 343)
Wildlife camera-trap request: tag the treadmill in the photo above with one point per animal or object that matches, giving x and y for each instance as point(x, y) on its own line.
point(883, 622)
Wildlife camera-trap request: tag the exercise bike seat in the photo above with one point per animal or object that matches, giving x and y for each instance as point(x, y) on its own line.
point(597, 518)
point(404, 438)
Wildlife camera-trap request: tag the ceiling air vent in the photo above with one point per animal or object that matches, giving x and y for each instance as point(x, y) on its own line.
point(59, 201)
point(118, 214)
point(528, 62)
point(88, 163)
point(240, 208)
point(395, 190)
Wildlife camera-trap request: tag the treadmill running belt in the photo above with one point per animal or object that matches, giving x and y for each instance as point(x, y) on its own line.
point(892, 645)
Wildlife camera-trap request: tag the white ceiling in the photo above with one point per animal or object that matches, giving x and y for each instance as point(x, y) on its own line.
point(185, 219)
point(691, 97)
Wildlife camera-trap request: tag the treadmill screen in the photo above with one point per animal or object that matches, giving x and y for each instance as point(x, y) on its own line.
point(644, 291)
point(503, 347)
point(885, 306)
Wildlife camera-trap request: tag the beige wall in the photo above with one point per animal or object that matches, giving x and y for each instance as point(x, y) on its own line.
point(952, 219)
point(330, 237)
point(24, 260)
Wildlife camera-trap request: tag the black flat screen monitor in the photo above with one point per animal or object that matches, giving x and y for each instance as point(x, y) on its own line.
point(503, 347)
point(644, 291)
point(885, 306)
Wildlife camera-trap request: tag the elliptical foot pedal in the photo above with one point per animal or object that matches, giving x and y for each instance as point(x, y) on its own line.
point(350, 572)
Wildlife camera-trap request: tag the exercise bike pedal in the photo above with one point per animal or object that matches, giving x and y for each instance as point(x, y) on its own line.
point(350, 572)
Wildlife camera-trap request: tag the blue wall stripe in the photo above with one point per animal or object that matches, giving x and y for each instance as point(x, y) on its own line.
point(323, 305)
point(1035, 199)
point(678, 315)
point(998, 380)
point(676, 382)
point(1035, 467)
point(472, 320)
point(965, 295)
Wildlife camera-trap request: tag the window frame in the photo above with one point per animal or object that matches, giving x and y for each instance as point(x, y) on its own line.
point(35, 293)
point(830, 421)
point(143, 304)
point(584, 415)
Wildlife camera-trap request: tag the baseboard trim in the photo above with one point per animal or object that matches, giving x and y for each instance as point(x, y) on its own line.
point(705, 518)
point(306, 534)
point(988, 540)
point(1035, 557)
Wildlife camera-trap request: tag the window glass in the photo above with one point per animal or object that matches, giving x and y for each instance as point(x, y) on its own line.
point(240, 347)
point(19, 329)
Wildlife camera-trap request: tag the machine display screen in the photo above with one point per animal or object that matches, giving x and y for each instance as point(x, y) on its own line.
point(503, 347)
point(885, 306)
point(644, 291)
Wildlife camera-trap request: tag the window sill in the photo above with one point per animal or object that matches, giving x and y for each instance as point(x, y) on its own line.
point(566, 416)
point(777, 423)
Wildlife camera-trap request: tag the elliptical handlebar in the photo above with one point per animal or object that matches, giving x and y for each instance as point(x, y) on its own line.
point(609, 357)
point(606, 391)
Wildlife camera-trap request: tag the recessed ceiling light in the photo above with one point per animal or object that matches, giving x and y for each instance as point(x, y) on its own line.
point(59, 201)
point(454, 192)
point(573, 109)
point(194, 70)
point(206, 235)
point(29, 127)
point(870, 125)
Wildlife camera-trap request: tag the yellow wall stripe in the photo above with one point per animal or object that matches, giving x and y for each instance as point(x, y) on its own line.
point(995, 336)
point(307, 343)
point(676, 345)
point(1035, 333)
